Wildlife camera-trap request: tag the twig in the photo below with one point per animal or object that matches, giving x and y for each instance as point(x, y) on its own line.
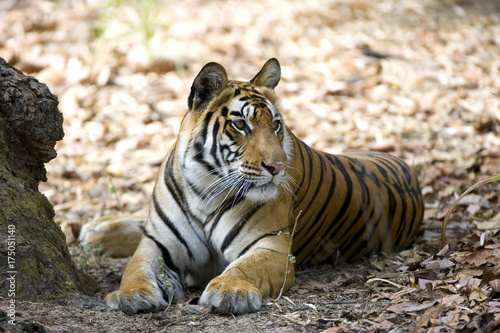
point(405, 291)
point(384, 280)
point(293, 320)
point(288, 257)
point(289, 300)
point(378, 291)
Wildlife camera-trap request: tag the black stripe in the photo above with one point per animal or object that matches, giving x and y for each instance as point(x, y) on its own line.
point(348, 243)
point(320, 181)
point(257, 97)
point(392, 169)
point(214, 149)
point(302, 159)
point(180, 200)
point(404, 167)
point(206, 123)
point(311, 169)
point(356, 219)
point(315, 219)
point(323, 212)
point(236, 229)
point(200, 158)
point(199, 155)
point(193, 188)
point(383, 171)
point(341, 216)
point(359, 171)
point(313, 239)
point(169, 180)
point(236, 113)
point(362, 234)
point(249, 246)
point(349, 186)
point(228, 134)
point(403, 196)
point(170, 225)
point(164, 254)
point(217, 214)
point(174, 189)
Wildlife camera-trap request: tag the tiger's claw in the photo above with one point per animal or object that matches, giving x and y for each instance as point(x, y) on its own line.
point(136, 300)
point(223, 296)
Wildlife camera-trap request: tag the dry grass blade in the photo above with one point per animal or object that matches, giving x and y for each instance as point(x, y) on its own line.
point(472, 188)
point(370, 281)
point(434, 313)
point(288, 256)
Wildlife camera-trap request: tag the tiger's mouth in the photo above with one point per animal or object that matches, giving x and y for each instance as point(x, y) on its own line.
point(262, 187)
point(262, 192)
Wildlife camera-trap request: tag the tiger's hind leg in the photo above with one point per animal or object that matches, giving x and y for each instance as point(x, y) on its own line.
point(117, 235)
point(147, 283)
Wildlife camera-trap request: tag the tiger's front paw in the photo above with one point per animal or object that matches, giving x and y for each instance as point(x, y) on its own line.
point(225, 296)
point(140, 299)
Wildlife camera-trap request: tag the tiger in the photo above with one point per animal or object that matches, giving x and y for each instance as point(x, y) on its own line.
point(237, 185)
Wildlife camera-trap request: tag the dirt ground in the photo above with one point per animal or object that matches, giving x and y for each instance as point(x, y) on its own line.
point(338, 298)
point(418, 79)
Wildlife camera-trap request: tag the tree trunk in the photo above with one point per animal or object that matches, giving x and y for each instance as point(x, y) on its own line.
point(34, 260)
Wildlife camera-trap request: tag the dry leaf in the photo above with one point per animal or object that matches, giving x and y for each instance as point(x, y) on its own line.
point(489, 225)
point(452, 300)
point(468, 283)
point(450, 288)
point(484, 322)
point(484, 256)
point(312, 285)
point(385, 325)
point(471, 199)
point(399, 308)
point(444, 251)
point(477, 294)
point(419, 307)
point(494, 306)
point(470, 272)
point(423, 284)
point(438, 264)
point(495, 285)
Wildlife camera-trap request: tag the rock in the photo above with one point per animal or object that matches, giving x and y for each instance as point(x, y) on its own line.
point(35, 254)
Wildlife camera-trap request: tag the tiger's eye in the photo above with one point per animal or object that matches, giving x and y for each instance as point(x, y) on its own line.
point(239, 124)
point(276, 125)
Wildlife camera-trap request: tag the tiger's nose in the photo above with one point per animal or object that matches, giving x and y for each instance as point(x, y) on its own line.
point(274, 168)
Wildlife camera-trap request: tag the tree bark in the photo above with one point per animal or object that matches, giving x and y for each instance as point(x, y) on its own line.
point(35, 263)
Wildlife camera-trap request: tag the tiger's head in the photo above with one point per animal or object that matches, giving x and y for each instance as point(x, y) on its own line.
point(233, 142)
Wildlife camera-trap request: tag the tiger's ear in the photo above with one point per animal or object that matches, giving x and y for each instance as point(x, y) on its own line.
point(269, 76)
point(209, 82)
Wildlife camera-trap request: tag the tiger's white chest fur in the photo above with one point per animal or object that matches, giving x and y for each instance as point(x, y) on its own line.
point(210, 205)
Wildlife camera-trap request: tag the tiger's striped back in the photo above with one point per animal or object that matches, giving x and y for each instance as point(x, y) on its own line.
point(352, 205)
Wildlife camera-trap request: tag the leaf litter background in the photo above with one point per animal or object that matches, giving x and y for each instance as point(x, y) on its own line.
point(420, 80)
